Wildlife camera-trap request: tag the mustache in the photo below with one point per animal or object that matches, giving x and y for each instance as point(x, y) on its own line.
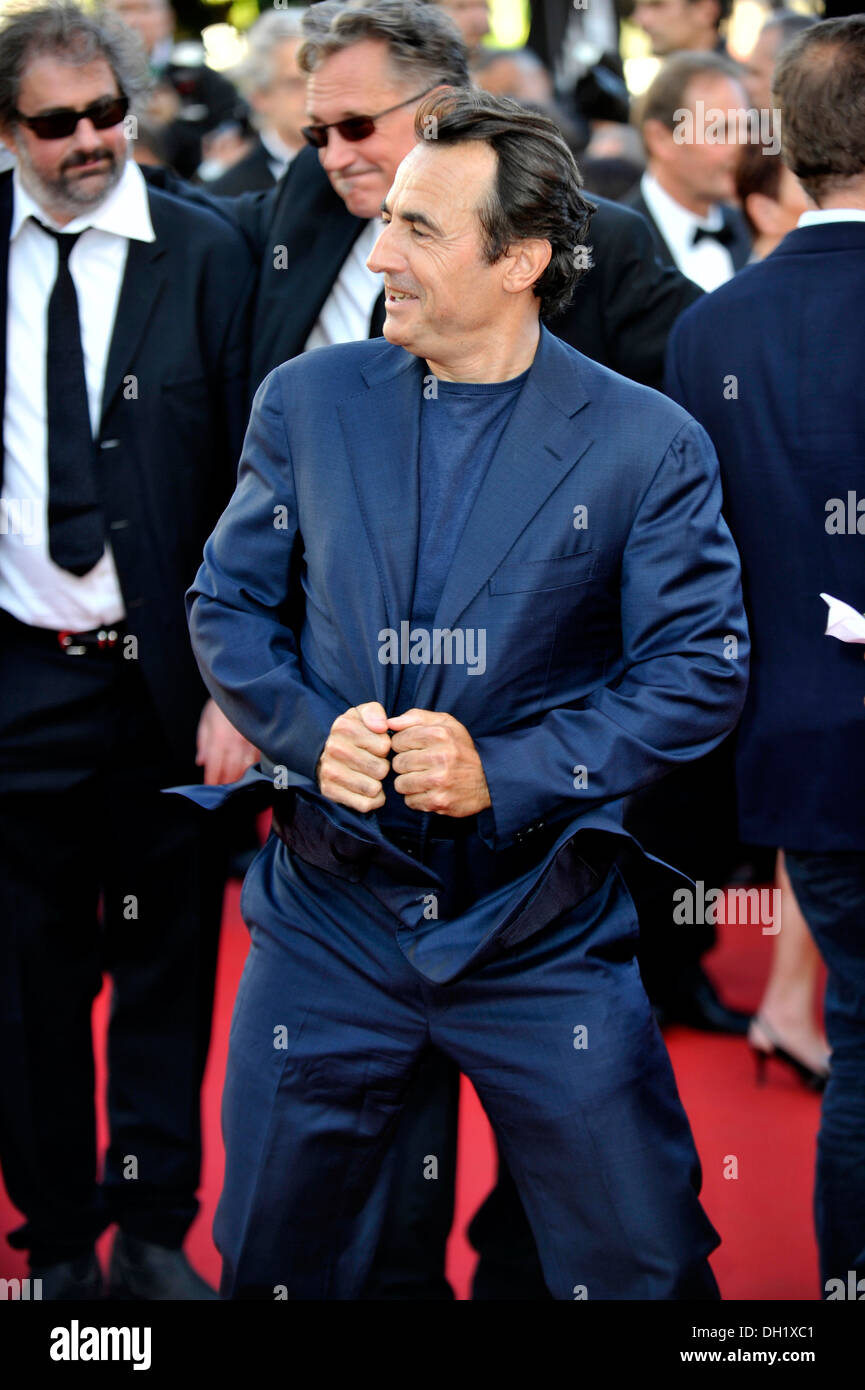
point(79, 158)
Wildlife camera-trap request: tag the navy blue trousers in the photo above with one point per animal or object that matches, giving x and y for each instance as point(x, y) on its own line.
point(830, 889)
point(329, 1026)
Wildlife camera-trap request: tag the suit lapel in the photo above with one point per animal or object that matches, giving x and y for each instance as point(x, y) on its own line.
point(317, 231)
point(740, 247)
point(665, 255)
point(5, 228)
point(381, 429)
point(539, 447)
point(144, 280)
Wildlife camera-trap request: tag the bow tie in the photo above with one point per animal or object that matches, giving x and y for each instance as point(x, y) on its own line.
point(724, 235)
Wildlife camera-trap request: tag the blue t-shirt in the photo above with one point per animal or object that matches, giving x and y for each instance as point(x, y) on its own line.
point(460, 430)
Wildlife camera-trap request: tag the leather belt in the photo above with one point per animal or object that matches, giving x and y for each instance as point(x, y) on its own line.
point(97, 639)
point(107, 638)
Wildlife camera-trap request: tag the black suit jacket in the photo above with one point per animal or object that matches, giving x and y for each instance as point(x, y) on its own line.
point(248, 175)
point(621, 316)
point(173, 419)
point(739, 248)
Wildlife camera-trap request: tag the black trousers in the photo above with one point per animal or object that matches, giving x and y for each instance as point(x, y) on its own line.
point(99, 872)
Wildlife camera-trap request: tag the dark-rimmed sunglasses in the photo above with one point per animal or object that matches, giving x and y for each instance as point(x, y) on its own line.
point(57, 125)
point(355, 127)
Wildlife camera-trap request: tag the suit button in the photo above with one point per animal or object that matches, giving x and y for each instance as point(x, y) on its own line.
point(109, 443)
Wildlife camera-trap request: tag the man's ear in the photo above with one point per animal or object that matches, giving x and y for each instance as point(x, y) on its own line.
point(526, 262)
point(7, 135)
point(766, 214)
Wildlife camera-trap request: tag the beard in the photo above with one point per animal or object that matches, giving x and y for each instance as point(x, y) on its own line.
point(67, 193)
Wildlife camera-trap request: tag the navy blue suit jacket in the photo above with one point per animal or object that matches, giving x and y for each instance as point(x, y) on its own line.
point(606, 645)
point(787, 336)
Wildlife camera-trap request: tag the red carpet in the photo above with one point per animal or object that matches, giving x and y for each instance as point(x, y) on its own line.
point(763, 1214)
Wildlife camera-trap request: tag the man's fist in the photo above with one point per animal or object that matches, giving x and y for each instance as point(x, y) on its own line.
point(437, 764)
point(354, 761)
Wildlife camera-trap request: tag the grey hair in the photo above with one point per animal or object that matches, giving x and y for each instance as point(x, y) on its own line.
point(255, 72)
point(424, 44)
point(60, 29)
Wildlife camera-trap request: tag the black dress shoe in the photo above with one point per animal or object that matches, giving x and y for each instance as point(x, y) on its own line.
point(700, 1007)
point(142, 1271)
point(72, 1281)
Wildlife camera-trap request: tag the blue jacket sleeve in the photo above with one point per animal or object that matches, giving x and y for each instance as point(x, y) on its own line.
point(684, 663)
point(247, 654)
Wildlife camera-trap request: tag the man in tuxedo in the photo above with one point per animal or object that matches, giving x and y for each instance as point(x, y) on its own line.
point(471, 686)
point(689, 119)
point(275, 88)
point(123, 368)
point(678, 26)
point(772, 365)
point(314, 232)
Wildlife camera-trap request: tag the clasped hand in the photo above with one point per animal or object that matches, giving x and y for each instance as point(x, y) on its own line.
point(434, 760)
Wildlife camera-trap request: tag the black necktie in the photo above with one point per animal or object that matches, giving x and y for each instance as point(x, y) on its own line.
point(379, 314)
point(76, 529)
point(723, 234)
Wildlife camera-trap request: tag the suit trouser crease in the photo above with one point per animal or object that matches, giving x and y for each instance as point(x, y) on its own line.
point(613, 1200)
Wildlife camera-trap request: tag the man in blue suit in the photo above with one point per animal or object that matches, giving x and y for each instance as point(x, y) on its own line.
point(772, 365)
point(471, 591)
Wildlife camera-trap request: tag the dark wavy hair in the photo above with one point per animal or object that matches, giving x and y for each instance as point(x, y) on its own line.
point(60, 29)
point(537, 186)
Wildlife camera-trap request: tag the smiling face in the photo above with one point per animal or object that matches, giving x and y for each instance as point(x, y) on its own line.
point(69, 175)
point(360, 81)
point(444, 301)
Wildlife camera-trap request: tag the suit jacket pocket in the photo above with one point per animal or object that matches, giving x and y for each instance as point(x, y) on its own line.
point(534, 576)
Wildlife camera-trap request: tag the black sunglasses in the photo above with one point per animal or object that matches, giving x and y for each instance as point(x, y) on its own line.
point(56, 125)
point(355, 127)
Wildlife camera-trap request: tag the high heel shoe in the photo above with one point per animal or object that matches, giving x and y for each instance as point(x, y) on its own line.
point(813, 1079)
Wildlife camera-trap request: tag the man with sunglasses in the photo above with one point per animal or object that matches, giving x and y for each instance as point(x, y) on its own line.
point(122, 366)
point(369, 64)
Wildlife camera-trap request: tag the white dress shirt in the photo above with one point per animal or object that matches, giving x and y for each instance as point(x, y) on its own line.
point(32, 588)
point(708, 264)
point(816, 217)
point(346, 312)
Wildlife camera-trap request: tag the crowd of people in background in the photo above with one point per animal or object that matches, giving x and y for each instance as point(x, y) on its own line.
point(727, 251)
